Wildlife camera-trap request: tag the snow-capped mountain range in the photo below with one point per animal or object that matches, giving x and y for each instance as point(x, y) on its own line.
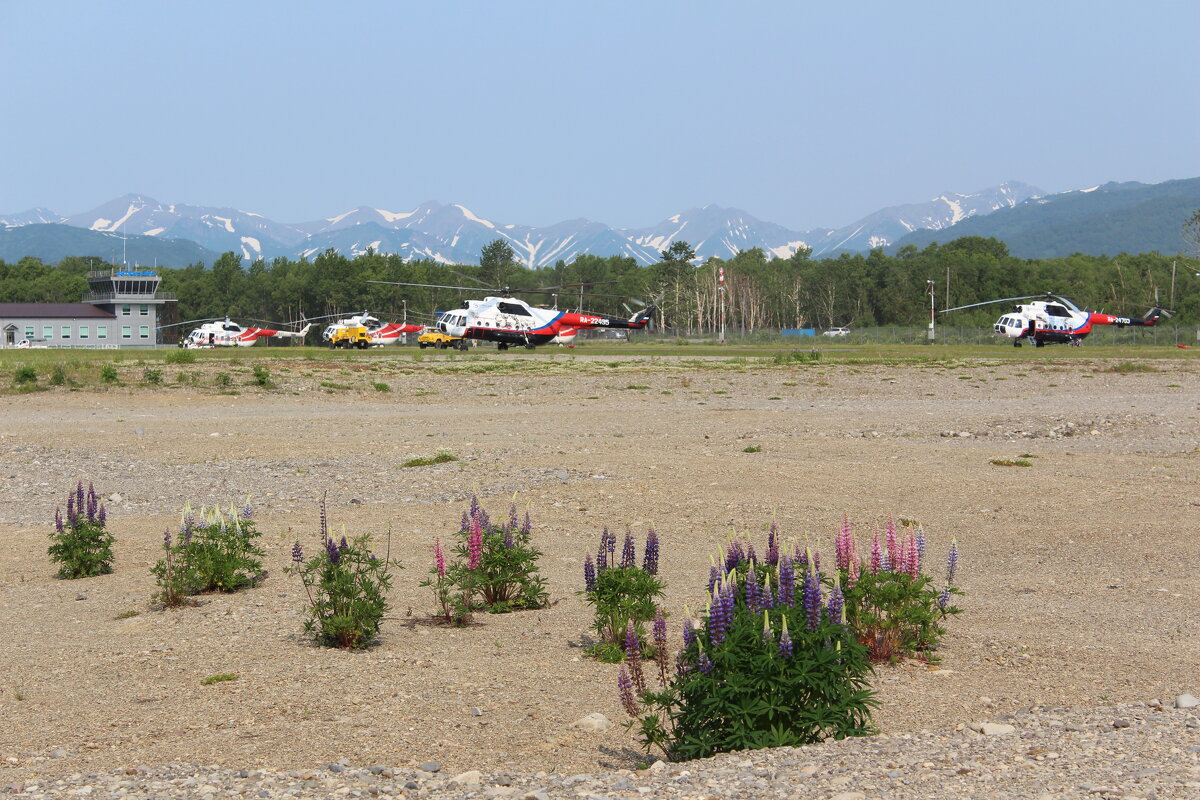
point(453, 234)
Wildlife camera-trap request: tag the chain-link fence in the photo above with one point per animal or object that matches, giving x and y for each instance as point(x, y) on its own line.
point(944, 334)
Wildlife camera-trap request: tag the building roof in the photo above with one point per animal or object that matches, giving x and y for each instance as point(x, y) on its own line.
point(53, 310)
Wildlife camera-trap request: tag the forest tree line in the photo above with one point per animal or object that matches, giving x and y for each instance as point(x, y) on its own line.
point(858, 290)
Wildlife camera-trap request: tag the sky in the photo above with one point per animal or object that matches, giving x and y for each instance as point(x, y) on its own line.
point(801, 114)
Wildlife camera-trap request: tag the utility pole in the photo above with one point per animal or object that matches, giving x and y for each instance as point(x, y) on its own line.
point(721, 292)
point(404, 336)
point(932, 289)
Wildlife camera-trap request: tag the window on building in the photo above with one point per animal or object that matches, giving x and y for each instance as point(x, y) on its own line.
point(65, 333)
point(85, 332)
point(28, 331)
point(144, 332)
point(124, 311)
point(145, 311)
point(101, 331)
point(126, 332)
point(47, 331)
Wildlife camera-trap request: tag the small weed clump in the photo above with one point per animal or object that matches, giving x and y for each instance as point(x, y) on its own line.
point(346, 585)
point(753, 449)
point(381, 387)
point(1012, 462)
point(216, 553)
point(108, 374)
point(262, 377)
point(180, 356)
point(441, 457)
point(25, 375)
point(796, 357)
point(81, 544)
point(152, 376)
point(219, 678)
point(59, 376)
point(622, 593)
point(223, 380)
point(496, 568)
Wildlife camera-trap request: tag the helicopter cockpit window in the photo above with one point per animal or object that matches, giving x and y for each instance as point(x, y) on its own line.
point(1057, 311)
point(513, 308)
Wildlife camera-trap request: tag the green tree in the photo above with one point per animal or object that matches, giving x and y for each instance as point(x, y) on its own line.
point(497, 262)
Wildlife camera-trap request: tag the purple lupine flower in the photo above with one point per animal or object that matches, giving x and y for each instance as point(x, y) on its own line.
point(768, 636)
point(733, 555)
point(508, 536)
point(920, 540)
point(714, 577)
point(650, 556)
point(324, 524)
point(91, 503)
point(475, 545)
point(766, 594)
point(465, 524)
point(297, 553)
point(512, 516)
point(633, 657)
point(720, 614)
point(80, 507)
point(876, 554)
point(751, 556)
point(71, 509)
point(101, 516)
point(475, 507)
point(167, 538)
point(625, 689)
point(58, 522)
point(816, 562)
point(785, 641)
point(944, 599)
point(332, 551)
point(812, 599)
point(602, 552)
point(246, 512)
point(952, 562)
point(526, 526)
point(773, 545)
point(705, 663)
point(836, 604)
point(589, 573)
point(628, 556)
point(752, 591)
point(439, 558)
point(787, 584)
point(689, 633)
point(661, 654)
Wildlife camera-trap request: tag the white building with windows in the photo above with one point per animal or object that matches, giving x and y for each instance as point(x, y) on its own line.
point(122, 309)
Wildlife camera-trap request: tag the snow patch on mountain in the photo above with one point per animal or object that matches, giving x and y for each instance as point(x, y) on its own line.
point(466, 212)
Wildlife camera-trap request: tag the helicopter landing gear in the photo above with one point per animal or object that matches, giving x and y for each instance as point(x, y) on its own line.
point(530, 347)
point(1038, 343)
point(463, 346)
point(502, 346)
point(1016, 342)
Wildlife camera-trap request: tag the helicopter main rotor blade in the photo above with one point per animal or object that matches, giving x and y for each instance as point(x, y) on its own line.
point(990, 302)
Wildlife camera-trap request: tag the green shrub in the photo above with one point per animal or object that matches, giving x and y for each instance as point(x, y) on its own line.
point(346, 586)
point(108, 374)
point(262, 377)
point(24, 375)
point(216, 553)
point(496, 570)
point(219, 678)
point(181, 356)
point(223, 380)
point(81, 545)
point(153, 376)
point(58, 377)
point(621, 592)
point(382, 387)
point(441, 457)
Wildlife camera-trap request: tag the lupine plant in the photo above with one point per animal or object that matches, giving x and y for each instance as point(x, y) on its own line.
point(81, 544)
point(622, 593)
point(346, 585)
point(495, 569)
point(214, 551)
point(771, 662)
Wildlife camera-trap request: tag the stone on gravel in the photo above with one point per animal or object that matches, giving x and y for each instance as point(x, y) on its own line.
point(593, 722)
point(1186, 701)
point(431, 766)
point(991, 728)
point(469, 778)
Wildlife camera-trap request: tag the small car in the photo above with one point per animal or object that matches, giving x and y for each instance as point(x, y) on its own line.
point(837, 332)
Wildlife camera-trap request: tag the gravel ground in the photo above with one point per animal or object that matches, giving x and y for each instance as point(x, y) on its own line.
point(1079, 571)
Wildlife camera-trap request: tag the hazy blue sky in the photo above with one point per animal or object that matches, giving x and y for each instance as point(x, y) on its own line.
point(803, 114)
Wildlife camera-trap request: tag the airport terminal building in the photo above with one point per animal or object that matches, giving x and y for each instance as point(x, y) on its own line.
point(122, 309)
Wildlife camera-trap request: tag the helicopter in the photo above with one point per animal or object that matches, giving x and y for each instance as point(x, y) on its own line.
point(380, 333)
point(1052, 319)
point(227, 333)
point(510, 321)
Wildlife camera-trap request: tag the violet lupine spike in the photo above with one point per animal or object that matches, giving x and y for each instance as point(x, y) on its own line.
point(246, 512)
point(661, 651)
point(773, 545)
point(91, 503)
point(952, 562)
point(589, 573)
point(602, 553)
point(751, 556)
point(876, 554)
point(767, 594)
point(167, 538)
point(625, 689)
point(719, 615)
point(944, 599)
point(752, 590)
point(475, 507)
point(734, 555)
point(101, 516)
point(526, 526)
point(812, 600)
point(785, 643)
point(58, 522)
point(508, 536)
point(714, 577)
point(80, 507)
point(921, 545)
point(628, 556)
point(816, 562)
point(439, 558)
point(650, 556)
point(787, 583)
point(512, 516)
point(333, 552)
point(836, 604)
point(297, 553)
point(633, 657)
point(705, 664)
point(689, 633)
point(465, 524)
point(71, 509)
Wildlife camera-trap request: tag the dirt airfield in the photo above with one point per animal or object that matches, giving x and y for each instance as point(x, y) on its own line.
point(1079, 571)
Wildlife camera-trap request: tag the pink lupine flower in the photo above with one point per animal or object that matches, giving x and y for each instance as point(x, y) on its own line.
point(892, 550)
point(475, 545)
point(439, 557)
point(876, 553)
point(854, 571)
point(845, 541)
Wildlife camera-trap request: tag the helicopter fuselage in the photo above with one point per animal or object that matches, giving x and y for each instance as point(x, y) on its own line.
point(510, 321)
point(1045, 322)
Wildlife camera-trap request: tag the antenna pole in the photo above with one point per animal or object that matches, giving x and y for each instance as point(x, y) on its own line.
point(932, 292)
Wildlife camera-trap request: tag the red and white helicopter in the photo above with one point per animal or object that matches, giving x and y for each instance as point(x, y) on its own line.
point(1053, 319)
point(227, 333)
point(512, 322)
point(381, 333)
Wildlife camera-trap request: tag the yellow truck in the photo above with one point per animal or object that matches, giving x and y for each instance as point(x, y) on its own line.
point(350, 336)
point(435, 338)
